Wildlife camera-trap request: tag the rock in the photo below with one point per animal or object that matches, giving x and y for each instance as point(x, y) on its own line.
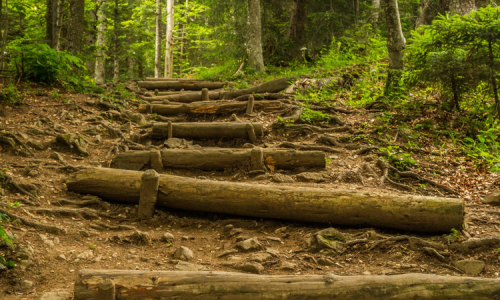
point(134, 117)
point(140, 238)
point(311, 177)
point(280, 178)
point(84, 233)
point(36, 145)
point(127, 127)
point(259, 257)
point(287, 266)
point(85, 255)
point(274, 239)
point(58, 157)
point(55, 296)
point(24, 252)
point(329, 238)
point(273, 252)
point(250, 267)
point(73, 141)
point(227, 252)
point(183, 253)
point(472, 267)
point(26, 284)
point(23, 264)
point(167, 238)
point(175, 143)
point(325, 262)
point(249, 245)
point(33, 173)
point(332, 234)
point(185, 266)
point(492, 198)
point(61, 257)
point(228, 227)
point(397, 255)
point(235, 231)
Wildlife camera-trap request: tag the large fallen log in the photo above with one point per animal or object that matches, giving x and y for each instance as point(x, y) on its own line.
point(211, 130)
point(132, 285)
point(172, 79)
point(272, 86)
point(179, 85)
point(405, 212)
point(186, 97)
point(218, 159)
point(207, 107)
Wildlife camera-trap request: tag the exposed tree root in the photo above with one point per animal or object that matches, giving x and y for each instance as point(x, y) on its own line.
point(80, 213)
point(6, 134)
point(82, 203)
point(20, 189)
point(398, 238)
point(39, 226)
point(433, 252)
point(102, 226)
point(475, 245)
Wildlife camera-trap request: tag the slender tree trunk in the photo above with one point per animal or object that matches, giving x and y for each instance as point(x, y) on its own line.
point(130, 74)
point(51, 18)
point(158, 41)
point(183, 32)
point(169, 44)
point(75, 25)
point(493, 79)
point(395, 42)
point(422, 18)
point(375, 13)
point(5, 33)
point(91, 37)
point(101, 44)
point(254, 35)
point(116, 56)
point(297, 28)
point(462, 7)
point(57, 41)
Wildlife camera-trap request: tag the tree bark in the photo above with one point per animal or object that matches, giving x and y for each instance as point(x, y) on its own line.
point(75, 25)
point(179, 85)
point(186, 97)
point(116, 42)
point(351, 208)
point(169, 43)
point(422, 18)
point(100, 71)
point(272, 86)
point(395, 43)
point(375, 13)
point(219, 159)
point(462, 7)
point(51, 18)
point(205, 130)
point(208, 107)
point(297, 28)
point(172, 79)
point(254, 43)
point(158, 41)
point(238, 286)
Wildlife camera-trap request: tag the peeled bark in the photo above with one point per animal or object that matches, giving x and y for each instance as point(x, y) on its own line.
point(208, 107)
point(179, 85)
point(132, 285)
point(254, 42)
point(219, 159)
point(205, 130)
point(352, 208)
point(101, 44)
point(75, 25)
point(296, 29)
point(158, 41)
point(169, 43)
point(462, 7)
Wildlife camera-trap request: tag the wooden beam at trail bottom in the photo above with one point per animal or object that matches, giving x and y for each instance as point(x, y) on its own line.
point(180, 85)
point(135, 285)
point(209, 107)
point(211, 130)
point(321, 205)
point(218, 159)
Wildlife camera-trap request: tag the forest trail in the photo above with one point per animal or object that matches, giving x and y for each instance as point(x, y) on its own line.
point(59, 232)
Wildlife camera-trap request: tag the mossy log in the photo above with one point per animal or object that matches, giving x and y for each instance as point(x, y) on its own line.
point(208, 107)
point(205, 130)
point(219, 159)
point(132, 285)
point(342, 207)
point(180, 85)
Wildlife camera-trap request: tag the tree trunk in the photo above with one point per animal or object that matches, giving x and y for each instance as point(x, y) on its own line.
point(116, 42)
point(375, 13)
point(132, 285)
point(169, 44)
point(130, 71)
point(219, 159)
point(342, 207)
point(462, 7)
point(91, 37)
point(60, 12)
point(254, 43)
point(211, 130)
point(422, 18)
point(208, 107)
point(100, 71)
point(4, 33)
point(51, 18)
point(179, 85)
point(296, 29)
point(158, 41)
point(395, 43)
point(75, 25)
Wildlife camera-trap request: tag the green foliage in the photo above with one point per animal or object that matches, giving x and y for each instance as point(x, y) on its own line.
point(312, 116)
point(453, 236)
point(485, 148)
point(10, 95)
point(42, 64)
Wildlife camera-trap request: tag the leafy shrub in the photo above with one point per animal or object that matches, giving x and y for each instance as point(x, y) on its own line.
point(9, 95)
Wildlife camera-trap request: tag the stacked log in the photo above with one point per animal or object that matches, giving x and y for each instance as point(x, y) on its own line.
point(212, 130)
point(353, 208)
point(219, 159)
point(132, 285)
point(208, 107)
point(180, 85)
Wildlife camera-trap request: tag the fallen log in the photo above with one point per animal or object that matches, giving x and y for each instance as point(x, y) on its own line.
point(207, 107)
point(264, 96)
point(186, 97)
point(205, 130)
point(180, 85)
point(272, 86)
point(404, 212)
point(172, 79)
point(132, 285)
point(218, 159)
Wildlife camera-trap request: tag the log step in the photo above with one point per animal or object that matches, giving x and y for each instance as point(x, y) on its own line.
point(217, 159)
point(212, 130)
point(208, 107)
point(180, 85)
point(342, 207)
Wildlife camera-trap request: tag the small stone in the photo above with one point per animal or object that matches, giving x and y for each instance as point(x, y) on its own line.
point(26, 284)
point(228, 227)
point(280, 178)
point(49, 243)
point(61, 257)
point(325, 262)
point(183, 253)
point(250, 267)
point(185, 266)
point(492, 198)
point(23, 264)
point(58, 157)
point(85, 255)
point(249, 245)
point(367, 273)
point(398, 255)
point(235, 231)
point(311, 177)
point(167, 237)
point(287, 266)
point(259, 257)
point(472, 267)
point(140, 238)
point(36, 145)
point(84, 233)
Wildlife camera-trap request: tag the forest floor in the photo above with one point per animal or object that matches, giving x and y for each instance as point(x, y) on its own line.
point(50, 262)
